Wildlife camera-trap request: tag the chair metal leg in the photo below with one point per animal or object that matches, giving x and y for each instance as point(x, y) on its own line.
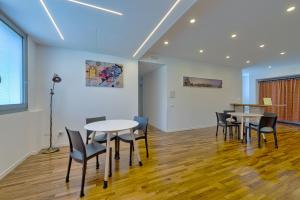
point(97, 162)
point(225, 133)
point(217, 131)
point(146, 143)
point(130, 154)
point(258, 136)
point(69, 168)
point(117, 148)
point(83, 179)
point(275, 139)
point(110, 162)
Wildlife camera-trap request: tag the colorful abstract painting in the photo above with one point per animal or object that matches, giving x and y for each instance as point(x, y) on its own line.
point(201, 82)
point(103, 74)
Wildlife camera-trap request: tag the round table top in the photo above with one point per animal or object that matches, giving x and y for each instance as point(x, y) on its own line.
point(111, 125)
point(241, 114)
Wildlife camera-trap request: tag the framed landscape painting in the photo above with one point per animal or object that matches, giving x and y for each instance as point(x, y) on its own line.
point(103, 74)
point(201, 82)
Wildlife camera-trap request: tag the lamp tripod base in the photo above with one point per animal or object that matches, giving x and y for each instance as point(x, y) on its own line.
point(50, 150)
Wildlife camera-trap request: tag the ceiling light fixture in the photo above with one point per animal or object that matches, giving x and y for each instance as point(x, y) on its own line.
point(227, 57)
point(166, 42)
point(156, 27)
point(233, 35)
point(96, 7)
point(52, 20)
point(192, 21)
point(201, 51)
point(282, 53)
point(248, 61)
point(270, 67)
point(290, 9)
point(262, 46)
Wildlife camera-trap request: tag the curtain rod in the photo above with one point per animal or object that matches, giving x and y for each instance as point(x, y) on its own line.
point(280, 78)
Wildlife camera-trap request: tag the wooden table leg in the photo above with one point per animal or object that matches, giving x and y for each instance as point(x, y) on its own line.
point(106, 171)
point(136, 148)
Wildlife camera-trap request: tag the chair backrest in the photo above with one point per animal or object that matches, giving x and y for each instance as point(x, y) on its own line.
point(221, 117)
point(143, 124)
point(269, 114)
point(91, 120)
point(228, 115)
point(268, 121)
point(76, 142)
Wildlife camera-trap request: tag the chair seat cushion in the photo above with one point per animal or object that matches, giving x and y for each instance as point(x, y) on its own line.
point(127, 137)
point(266, 130)
point(92, 149)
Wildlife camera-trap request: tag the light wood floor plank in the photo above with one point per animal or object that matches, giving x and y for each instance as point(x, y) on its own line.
point(184, 165)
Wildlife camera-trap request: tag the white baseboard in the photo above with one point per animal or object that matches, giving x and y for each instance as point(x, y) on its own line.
point(16, 164)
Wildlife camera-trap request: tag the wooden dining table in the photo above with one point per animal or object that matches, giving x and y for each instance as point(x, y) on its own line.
point(244, 116)
point(113, 127)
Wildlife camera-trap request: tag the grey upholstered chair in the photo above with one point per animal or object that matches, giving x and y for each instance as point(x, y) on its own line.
point(82, 153)
point(142, 129)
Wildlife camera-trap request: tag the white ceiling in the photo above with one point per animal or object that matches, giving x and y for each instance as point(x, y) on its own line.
point(254, 21)
point(88, 29)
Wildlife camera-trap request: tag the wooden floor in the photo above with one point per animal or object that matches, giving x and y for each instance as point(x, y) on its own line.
point(185, 165)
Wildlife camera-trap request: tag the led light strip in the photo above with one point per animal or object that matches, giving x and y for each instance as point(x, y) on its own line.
point(96, 7)
point(52, 20)
point(157, 26)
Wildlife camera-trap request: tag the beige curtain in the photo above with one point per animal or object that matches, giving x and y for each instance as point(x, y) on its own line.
point(285, 96)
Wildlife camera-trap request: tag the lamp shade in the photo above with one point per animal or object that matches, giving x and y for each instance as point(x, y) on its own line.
point(56, 78)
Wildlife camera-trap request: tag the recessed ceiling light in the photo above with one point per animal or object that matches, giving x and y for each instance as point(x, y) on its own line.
point(262, 46)
point(96, 7)
point(248, 61)
point(270, 67)
point(282, 53)
point(201, 51)
point(290, 9)
point(233, 35)
point(166, 42)
point(227, 57)
point(156, 27)
point(52, 20)
point(192, 21)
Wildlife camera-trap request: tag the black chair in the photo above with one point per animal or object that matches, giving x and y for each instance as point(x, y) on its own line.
point(226, 112)
point(267, 124)
point(253, 124)
point(81, 153)
point(142, 129)
point(221, 121)
point(99, 138)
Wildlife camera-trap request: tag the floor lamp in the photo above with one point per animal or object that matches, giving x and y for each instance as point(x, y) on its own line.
point(51, 149)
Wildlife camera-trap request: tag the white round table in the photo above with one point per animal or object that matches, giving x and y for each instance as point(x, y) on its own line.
point(243, 116)
point(109, 127)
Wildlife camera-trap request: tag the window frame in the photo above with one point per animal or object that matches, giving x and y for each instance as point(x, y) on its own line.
point(13, 108)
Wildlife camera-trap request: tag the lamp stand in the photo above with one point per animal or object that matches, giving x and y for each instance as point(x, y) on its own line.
point(51, 149)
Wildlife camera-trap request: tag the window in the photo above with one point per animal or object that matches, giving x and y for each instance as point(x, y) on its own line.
point(13, 67)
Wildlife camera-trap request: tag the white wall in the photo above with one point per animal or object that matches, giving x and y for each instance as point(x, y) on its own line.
point(252, 74)
point(155, 97)
point(195, 107)
point(20, 131)
point(73, 101)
